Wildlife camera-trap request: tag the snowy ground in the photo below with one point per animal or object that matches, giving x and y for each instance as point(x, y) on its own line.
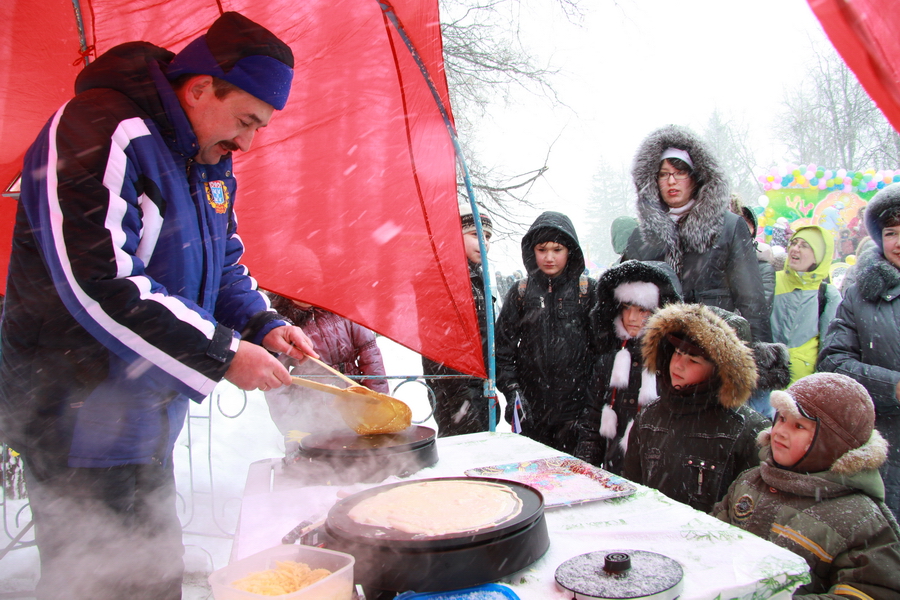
point(223, 436)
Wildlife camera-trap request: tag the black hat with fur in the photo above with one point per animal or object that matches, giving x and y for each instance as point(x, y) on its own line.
point(773, 360)
point(701, 327)
point(647, 284)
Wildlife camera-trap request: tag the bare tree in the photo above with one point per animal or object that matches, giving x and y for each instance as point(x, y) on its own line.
point(831, 121)
point(485, 61)
point(730, 143)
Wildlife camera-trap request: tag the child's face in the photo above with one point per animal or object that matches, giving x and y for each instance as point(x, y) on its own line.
point(470, 240)
point(688, 369)
point(551, 257)
point(791, 437)
point(634, 317)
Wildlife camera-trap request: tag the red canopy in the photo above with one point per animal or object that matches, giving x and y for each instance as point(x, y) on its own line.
point(866, 33)
point(347, 200)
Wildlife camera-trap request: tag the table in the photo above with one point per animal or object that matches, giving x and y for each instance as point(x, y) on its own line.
point(720, 561)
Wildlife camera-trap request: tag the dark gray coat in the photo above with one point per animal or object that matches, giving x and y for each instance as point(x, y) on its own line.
point(863, 342)
point(710, 247)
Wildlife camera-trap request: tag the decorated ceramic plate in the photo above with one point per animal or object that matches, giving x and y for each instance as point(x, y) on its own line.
point(562, 480)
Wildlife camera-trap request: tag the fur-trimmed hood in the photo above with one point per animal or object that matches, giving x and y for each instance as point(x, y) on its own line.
point(877, 277)
point(883, 204)
point(697, 230)
point(734, 362)
point(626, 275)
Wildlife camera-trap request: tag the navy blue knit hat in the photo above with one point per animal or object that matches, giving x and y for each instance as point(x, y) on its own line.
point(242, 53)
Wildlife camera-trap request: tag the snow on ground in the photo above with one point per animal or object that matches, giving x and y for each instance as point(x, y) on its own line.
point(223, 436)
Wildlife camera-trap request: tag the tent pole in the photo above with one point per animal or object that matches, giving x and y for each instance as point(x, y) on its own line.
point(489, 388)
point(85, 51)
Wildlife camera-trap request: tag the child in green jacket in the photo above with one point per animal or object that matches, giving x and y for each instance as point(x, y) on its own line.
point(818, 492)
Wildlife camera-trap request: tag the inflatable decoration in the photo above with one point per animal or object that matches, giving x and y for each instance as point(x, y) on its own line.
point(814, 195)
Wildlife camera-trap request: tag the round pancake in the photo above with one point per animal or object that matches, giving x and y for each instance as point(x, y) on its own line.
point(433, 508)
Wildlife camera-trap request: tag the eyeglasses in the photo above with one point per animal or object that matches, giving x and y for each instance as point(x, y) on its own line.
point(800, 243)
point(678, 175)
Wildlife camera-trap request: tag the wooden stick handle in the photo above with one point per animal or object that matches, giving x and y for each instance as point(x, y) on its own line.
point(332, 370)
point(324, 387)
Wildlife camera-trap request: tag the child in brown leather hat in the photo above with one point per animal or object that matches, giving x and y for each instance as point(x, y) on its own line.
point(818, 492)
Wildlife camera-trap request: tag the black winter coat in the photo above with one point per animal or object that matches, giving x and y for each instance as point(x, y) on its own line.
point(544, 344)
point(726, 275)
point(692, 443)
point(460, 404)
point(863, 342)
point(691, 448)
point(611, 338)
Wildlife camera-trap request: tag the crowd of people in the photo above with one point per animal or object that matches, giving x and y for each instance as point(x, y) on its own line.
point(694, 367)
point(765, 398)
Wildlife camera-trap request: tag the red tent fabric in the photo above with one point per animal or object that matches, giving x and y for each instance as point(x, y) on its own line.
point(347, 200)
point(866, 33)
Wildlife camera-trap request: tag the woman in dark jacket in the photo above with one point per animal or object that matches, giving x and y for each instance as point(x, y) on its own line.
point(683, 208)
point(544, 346)
point(620, 385)
point(863, 340)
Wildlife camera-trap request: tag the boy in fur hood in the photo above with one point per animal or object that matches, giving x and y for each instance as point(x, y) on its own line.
point(693, 442)
point(620, 385)
point(818, 492)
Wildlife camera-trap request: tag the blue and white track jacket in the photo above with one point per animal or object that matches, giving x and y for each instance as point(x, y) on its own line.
point(126, 296)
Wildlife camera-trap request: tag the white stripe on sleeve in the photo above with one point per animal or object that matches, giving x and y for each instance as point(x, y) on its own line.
point(190, 377)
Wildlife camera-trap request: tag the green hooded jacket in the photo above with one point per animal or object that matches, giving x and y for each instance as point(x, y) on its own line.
point(798, 321)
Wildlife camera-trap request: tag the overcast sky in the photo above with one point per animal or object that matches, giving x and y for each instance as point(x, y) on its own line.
point(634, 65)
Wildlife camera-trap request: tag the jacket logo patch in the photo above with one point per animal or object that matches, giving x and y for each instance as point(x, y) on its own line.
point(217, 195)
point(743, 508)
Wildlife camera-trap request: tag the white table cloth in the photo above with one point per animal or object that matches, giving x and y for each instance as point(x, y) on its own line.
point(720, 561)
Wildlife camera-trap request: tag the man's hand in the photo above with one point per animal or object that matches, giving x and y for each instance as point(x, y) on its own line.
point(254, 368)
point(289, 340)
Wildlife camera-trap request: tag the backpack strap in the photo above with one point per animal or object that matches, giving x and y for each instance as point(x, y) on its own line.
point(822, 299)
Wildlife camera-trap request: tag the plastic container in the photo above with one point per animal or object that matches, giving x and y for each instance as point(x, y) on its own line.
point(488, 591)
point(337, 586)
